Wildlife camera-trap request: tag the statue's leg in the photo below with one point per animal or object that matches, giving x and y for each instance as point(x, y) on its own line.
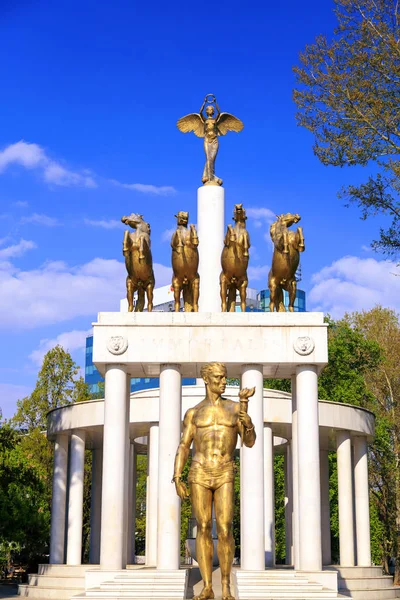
point(129, 293)
point(202, 508)
point(223, 503)
point(223, 288)
point(243, 294)
point(301, 245)
point(140, 299)
point(149, 292)
point(280, 305)
point(292, 287)
point(196, 292)
point(177, 293)
point(285, 242)
point(231, 297)
point(272, 293)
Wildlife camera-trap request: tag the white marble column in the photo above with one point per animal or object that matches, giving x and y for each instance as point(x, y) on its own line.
point(95, 505)
point(295, 480)
point(210, 228)
point(308, 468)
point(363, 536)
point(325, 508)
point(252, 492)
point(131, 528)
point(345, 499)
point(152, 506)
point(58, 500)
point(113, 522)
point(288, 505)
point(269, 496)
point(169, 506)
point(75, 497)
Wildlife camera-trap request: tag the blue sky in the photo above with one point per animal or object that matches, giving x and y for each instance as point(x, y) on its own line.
point(90, 94)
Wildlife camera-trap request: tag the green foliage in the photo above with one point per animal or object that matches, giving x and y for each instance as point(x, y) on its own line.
point(348, 97)
point(141, 480)
point(280, 542)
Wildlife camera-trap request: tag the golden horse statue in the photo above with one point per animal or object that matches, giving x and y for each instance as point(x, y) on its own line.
point(139, 263)
point(185, 264)
point(285, 260)
point(234, 262)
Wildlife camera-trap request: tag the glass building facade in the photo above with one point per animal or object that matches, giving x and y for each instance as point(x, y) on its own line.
point(299, 303)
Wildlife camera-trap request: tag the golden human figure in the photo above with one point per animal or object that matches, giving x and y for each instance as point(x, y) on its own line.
point(213, 426)
point(209, 128)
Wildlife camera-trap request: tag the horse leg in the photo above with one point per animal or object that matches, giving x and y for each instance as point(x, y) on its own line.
point(141, 249)
point(223, 285)
point(292, 287)
point(177, 293)
point(245, 245)
point(242, 292)
point(149, 293)
point(129, 293)
point(275, 295)
point(285, 242)
point(196, 292)
point(140, 299)
point(232, 297)
point(301, 247)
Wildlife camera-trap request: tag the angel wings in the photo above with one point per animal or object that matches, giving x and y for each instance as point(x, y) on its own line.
point(195, 122)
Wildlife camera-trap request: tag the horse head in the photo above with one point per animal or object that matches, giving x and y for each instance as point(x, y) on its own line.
point(239, 213)
point(182, 217)
point(136, 222)
point(288, 219)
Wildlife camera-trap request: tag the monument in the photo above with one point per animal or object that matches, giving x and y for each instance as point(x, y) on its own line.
point(213, 345)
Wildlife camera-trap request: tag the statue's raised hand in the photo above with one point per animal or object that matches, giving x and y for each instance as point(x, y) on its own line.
point(246, 393)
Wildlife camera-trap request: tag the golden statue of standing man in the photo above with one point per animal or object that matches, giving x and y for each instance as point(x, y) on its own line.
point(210, 127)
point(213, 426)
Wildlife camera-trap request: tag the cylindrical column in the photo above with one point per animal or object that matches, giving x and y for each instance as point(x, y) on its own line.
point(131, 506)
point(113, 537)
point(152, 506)
point(252, 492)
point(288, 505)
point(362, 502)
point(169, 506)
point(210, 226)
point(325, 508)
point(269, 496)
point(345, 499)
point(308, 468)
point(295, 480)
point(75, 498)
point(58, 500)
point(95, 505)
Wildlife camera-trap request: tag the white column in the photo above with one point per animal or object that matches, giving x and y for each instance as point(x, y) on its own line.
point(252, 492)
point(345, 499)
point(295, 480)
point(362, 502)
point(325, 508)
point(131, 506)
point(308, 468)
point(58, 500)
point(210, 227)
point(75, 499)
point(269, 496)
point(169, 506)
point(152, 506)
point(95, 505)
point(288, 505)
point(113, 523)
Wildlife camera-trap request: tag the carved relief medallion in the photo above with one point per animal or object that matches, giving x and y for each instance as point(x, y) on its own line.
point(117, 344)
point(304, 345)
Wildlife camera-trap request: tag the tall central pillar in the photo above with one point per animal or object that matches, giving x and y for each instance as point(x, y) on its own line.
point(210, 227)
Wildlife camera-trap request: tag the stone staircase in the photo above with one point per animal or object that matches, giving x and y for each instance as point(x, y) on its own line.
point(279, 583)
point(59, 582)
point(365, 583)
point(140, 584)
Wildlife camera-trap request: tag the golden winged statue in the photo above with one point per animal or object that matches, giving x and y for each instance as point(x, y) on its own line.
point(210, 127)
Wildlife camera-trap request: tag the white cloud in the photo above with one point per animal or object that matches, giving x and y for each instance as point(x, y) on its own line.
point(33, 156)
point(144, 188)
point(167, 234)
point(17, 249)
point(256, 273)
point(20, 204)
point(260, 215)
point(106, 224)
point(56, 292)
point(9, 394)
point(69, 340)
point(352, 284)
point(40, 220)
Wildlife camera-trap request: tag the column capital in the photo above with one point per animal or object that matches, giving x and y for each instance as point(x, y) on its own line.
point(256, 366)
point(119, 366)
point(170, 365)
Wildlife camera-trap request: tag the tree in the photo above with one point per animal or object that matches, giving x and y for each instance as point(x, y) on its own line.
point(348, 97)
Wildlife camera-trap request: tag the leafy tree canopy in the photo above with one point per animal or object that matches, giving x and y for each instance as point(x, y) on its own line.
point(348, 97)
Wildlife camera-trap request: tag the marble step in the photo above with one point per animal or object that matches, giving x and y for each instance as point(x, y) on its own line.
point(65, 570)
point(59, 581)
point(44, 592)
point(262, 594)
point(365, 583)
point(344, 572)
point(373, 594)
point(140, 592)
